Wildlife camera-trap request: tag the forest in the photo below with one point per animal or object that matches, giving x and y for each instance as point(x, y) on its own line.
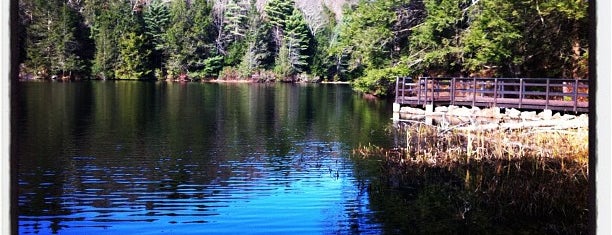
point(367, 42)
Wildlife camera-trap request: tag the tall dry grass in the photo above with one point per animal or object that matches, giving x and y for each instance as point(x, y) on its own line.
point(530, 180)
point(436, 146)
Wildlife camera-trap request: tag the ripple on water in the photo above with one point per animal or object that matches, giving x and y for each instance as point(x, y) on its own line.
point(309, 190)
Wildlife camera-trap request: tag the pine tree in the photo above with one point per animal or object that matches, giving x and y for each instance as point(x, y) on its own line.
point(51, 43)
point(276, 12)
point(111, 21)
point(489, 44)
point(205, 61)
point(156, 18)
point(283, 66)
point(257, 55)
point(435, 43)
point(176, 48)
point(67, 61)
point(297, 40)
point(133, 57)
point(235, 17)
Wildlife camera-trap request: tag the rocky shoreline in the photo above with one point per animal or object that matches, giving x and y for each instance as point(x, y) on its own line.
point(495, 118)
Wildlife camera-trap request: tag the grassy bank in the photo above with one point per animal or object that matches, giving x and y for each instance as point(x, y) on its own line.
point(519, 181)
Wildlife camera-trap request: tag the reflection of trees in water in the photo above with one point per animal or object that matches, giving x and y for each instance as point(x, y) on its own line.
point(481, 198)
point(103, 148)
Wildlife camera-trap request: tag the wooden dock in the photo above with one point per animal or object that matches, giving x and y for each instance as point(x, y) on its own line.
point(522, 93)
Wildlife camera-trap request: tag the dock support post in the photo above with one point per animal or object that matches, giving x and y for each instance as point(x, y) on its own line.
point(429, 108)
point(396, 107)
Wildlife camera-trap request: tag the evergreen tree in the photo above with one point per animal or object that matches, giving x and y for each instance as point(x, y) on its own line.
point(133, 57)
point(365, 35)
point(189, 40)
point(111, 22)
point(297, 40)
point(322, 62)
point(235, 17)
point(489, 42)
point(177, 48)
point(276, 12)
point(204, 59)
point(156, 18)
point(257, 55)
point(52, 44)
point(435, 43)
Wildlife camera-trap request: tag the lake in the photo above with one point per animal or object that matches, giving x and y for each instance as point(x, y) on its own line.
point(120, 157)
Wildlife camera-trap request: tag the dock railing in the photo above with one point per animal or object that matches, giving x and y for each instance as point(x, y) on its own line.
point(523, 93)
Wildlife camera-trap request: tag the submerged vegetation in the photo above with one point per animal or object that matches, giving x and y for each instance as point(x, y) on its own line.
point(525, 181)
point(366, 42)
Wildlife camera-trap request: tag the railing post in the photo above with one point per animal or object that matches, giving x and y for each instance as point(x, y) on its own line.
point(397, 89)
point(547, 92)
point(404, 88)
point(473, 91)
point(495, 93)
point(575, 94)
point(521, 90)
point(453, 90)
point(426, 95)
point(419, 91)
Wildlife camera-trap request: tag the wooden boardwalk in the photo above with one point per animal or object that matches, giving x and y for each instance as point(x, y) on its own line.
point(521, 93)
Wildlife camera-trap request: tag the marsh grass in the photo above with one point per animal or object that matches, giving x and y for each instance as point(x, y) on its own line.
point(530, 180)
point(436, 146)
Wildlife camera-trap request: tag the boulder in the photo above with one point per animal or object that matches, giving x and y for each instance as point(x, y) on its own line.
point(451, 107)
point(441, 109)
point(529, 115)
point(461, 112)
point(489, 113)
point(513, 113)
point(546, 114)
point(411, 110)
point(568, 117)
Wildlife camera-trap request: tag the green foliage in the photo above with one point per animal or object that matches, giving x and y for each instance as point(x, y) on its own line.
point(189, 39)
point(257, 55)
point(133, 58)
point(297, 40)
point(283, 67)
point(292, 37)
point(111, 21)
point(379, 82)
point(365, 34)
point(235, 18)
point(322, 62)
point(212, 66)
point(369, 44)
point(52, 45)
point(489, 42)
point(435, 43)
point(278, 10)
point(156, 18)
point(234, 53)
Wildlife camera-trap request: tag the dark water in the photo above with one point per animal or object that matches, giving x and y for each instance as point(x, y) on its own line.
point(170, 158)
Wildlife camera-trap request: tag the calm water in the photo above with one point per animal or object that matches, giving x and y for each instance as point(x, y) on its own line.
point(170, 158)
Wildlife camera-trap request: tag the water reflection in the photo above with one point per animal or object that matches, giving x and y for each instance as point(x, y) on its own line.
point(119, 157)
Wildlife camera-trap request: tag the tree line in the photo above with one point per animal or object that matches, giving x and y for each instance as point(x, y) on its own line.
point(369, 43)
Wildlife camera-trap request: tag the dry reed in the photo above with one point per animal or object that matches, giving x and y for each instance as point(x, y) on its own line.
point(511, 176)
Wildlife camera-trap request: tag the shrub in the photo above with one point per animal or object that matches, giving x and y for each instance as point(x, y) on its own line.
point(379, 82)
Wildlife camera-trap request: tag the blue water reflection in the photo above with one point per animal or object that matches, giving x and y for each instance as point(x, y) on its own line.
point(149, 158)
